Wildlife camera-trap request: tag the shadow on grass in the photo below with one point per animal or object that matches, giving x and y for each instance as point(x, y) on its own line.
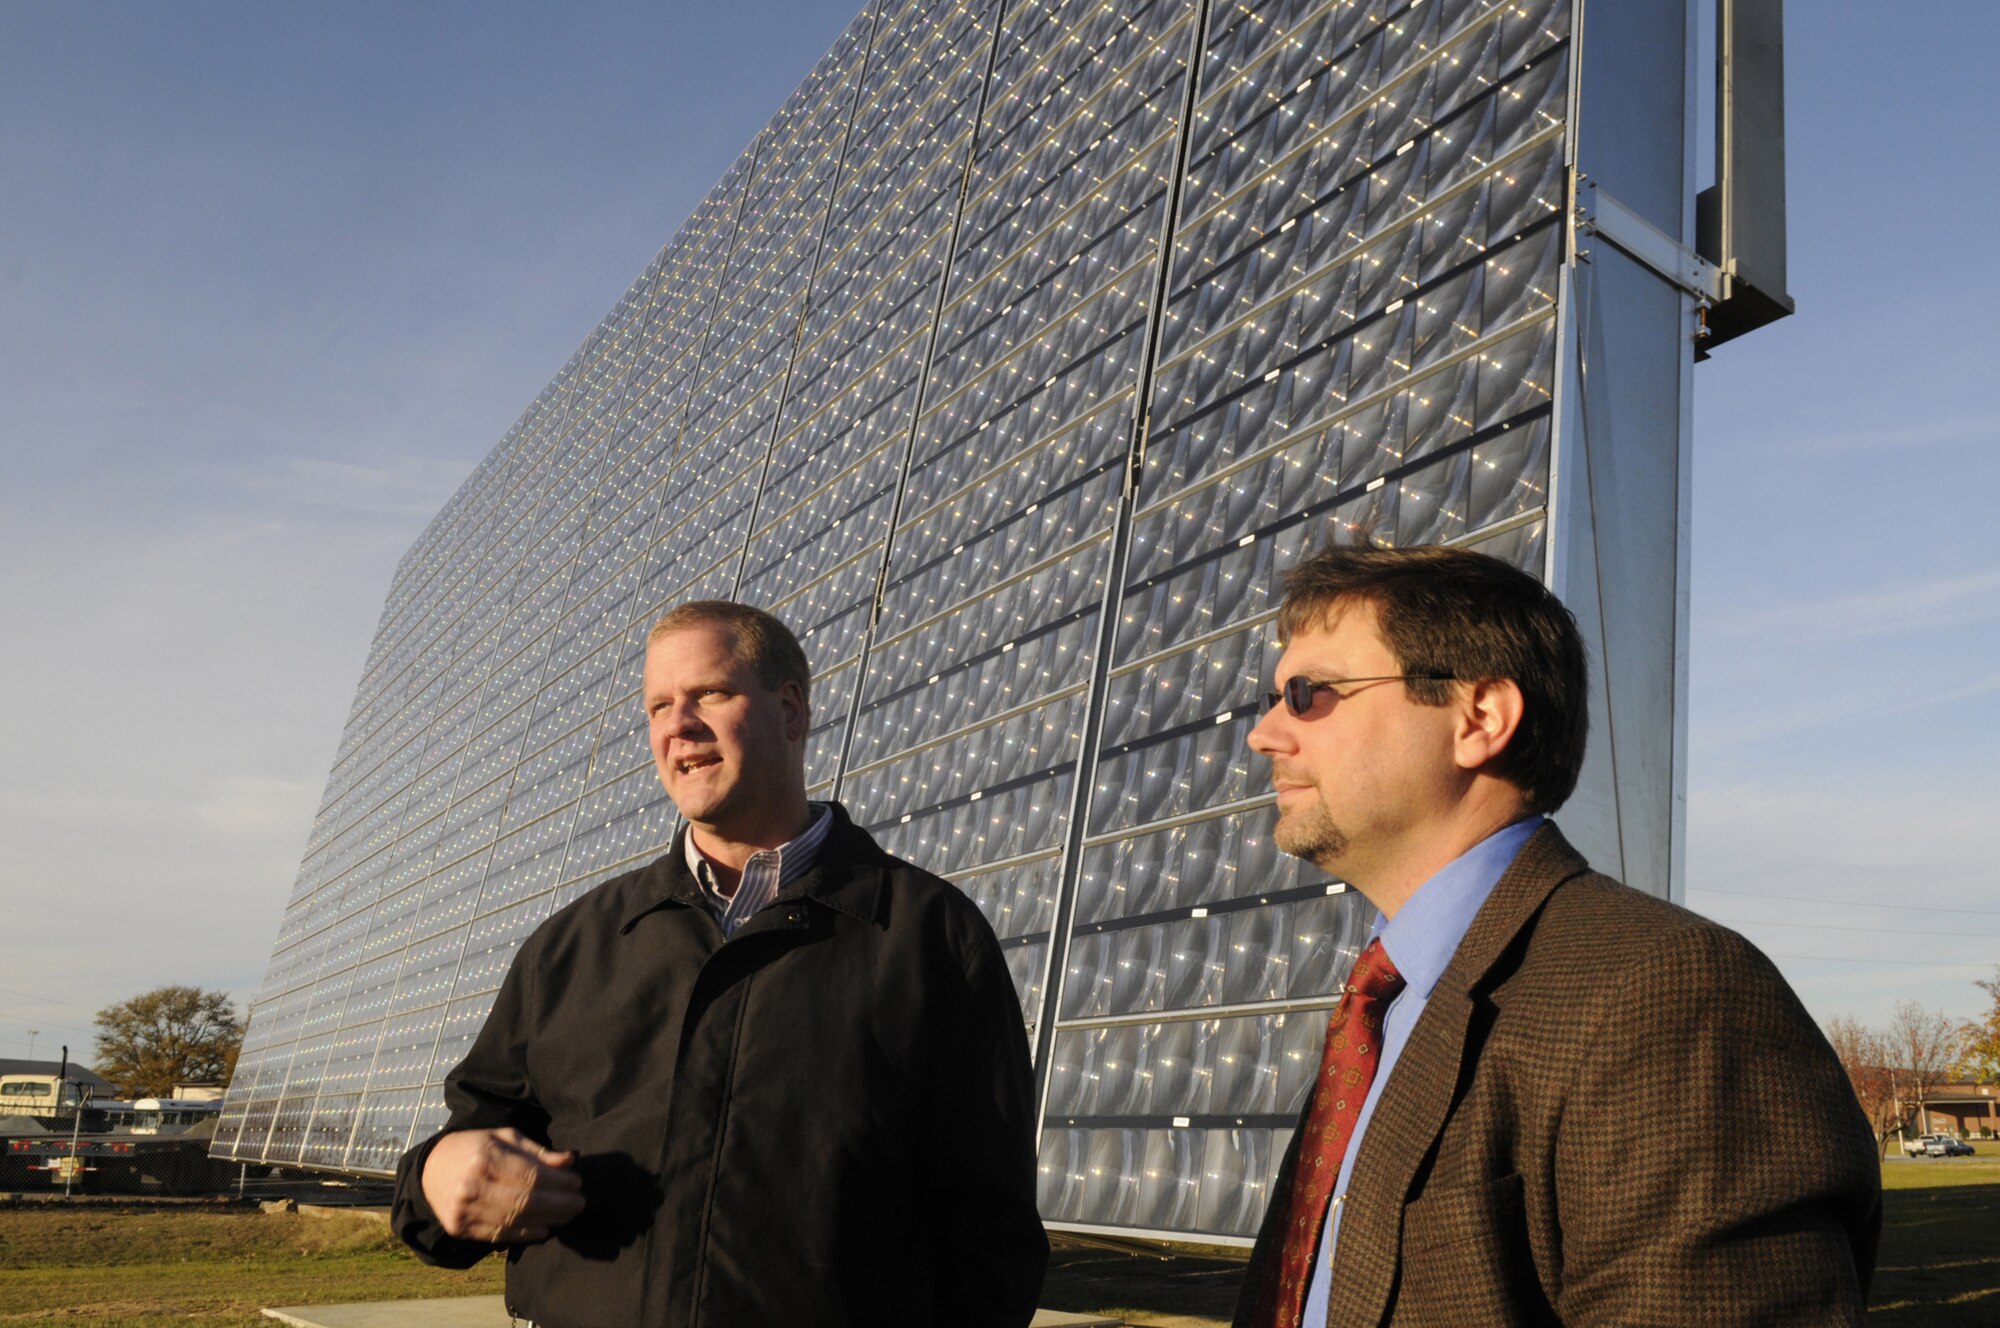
point(1158, 1286)
point(1938, 1268)
point(1938, 1265)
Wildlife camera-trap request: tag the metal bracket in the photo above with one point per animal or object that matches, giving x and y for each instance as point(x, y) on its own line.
point(1599, 214)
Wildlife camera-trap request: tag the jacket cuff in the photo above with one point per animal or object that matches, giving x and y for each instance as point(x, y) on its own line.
point(416, 1223)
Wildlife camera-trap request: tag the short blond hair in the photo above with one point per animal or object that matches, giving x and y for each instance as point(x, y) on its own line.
point(757, 638)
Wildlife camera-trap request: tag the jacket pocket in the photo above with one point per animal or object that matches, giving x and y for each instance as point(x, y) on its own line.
point(1466, 1259)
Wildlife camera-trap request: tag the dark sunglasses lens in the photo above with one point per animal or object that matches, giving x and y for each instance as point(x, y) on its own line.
point(1299, 694)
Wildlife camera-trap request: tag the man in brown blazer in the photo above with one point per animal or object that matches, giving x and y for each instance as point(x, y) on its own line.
point(1582, 1105)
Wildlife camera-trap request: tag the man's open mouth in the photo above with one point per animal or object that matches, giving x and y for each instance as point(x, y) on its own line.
point(689, 764)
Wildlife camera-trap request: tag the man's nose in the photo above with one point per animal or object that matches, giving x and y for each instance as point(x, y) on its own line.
point(681, 721)
point(1266, 738)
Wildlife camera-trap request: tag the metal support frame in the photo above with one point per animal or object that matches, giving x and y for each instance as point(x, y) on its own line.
point(1599, 214)
point(1631, 294)
point(1740, 219)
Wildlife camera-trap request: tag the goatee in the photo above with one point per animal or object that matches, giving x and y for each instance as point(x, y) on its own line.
point(1309, 833)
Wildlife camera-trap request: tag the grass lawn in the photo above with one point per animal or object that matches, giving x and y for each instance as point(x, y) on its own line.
point(1939, 1262)
point(212, 1267)
point(124, 1267)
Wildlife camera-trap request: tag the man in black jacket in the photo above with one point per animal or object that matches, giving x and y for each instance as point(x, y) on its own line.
point(774, 1077)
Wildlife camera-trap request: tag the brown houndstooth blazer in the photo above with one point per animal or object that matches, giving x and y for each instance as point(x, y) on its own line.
point(1611, 1111)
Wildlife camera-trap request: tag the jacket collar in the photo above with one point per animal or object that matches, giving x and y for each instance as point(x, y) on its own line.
point(846, 876)
point(1544, 862)
point(1419, 1095)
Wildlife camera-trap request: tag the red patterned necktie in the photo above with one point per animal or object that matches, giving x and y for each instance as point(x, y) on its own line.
point(1346, 1068)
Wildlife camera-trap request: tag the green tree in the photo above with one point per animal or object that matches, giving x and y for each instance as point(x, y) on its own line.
point(168, 1036)
point(1982, 1035)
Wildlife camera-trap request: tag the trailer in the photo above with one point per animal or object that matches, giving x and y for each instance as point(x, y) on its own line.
point(66, 1139)
point(119, 1163)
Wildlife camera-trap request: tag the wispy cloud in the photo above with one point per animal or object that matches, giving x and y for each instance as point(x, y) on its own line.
point(226, 807)
point(34, 816)
point(1832, 829)
point(402, 486)
point(250, 805)
point(125, 887)
point(1947, 601)
point(1929, 433)
point(1844, 863)
point(1801, 712)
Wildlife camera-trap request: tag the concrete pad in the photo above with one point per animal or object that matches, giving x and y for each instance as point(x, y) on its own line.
point(340, 1212)
point(450, 1312)
point(491, 1312)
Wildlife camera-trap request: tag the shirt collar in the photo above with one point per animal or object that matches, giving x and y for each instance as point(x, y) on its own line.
point(1426, 930)
point(794, 857)
point(850, 869)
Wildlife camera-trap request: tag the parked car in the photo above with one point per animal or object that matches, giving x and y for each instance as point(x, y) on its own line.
point(1937, 1145)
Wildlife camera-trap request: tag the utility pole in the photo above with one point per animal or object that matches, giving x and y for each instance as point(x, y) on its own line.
point(75, 1131)
point(76, 1127)
point(33, 1033)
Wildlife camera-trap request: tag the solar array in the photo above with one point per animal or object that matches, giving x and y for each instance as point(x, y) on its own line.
point(1010, 365)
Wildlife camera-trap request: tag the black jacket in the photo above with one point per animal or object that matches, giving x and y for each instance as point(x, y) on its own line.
point(827, 1119)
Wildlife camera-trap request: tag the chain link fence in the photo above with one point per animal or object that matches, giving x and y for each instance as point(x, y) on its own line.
point(77, 1146)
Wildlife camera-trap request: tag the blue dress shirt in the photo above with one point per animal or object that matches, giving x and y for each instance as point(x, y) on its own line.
point(1420, 941)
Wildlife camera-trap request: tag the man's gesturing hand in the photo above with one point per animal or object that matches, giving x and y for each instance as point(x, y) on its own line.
point(500, 1186)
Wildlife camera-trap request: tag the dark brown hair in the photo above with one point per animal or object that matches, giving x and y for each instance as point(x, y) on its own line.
point(759, 639)
point(1473, 618)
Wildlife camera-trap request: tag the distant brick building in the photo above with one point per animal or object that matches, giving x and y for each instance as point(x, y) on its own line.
point(1966, 1109)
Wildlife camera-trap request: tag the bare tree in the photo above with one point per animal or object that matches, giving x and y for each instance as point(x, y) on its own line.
point(1867, 1062)
point(1927, 1049)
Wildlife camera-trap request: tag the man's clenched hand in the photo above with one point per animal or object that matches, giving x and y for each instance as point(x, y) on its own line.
point(500, 1186)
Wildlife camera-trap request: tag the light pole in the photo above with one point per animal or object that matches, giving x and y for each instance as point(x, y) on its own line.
point(33, 1033)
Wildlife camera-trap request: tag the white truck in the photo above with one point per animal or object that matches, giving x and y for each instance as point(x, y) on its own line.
point(1936, 1145)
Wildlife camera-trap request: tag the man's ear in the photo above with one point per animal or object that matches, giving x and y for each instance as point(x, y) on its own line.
point(1489, 714)
point(798, 714)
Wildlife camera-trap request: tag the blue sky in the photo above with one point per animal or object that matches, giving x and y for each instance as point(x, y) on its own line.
point(1846, 647)
point(274, 277)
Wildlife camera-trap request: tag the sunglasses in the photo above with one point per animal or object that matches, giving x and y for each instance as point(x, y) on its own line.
point(1301, 693)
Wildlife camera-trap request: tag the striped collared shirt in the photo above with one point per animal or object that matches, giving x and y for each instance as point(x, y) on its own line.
point(768, 871)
